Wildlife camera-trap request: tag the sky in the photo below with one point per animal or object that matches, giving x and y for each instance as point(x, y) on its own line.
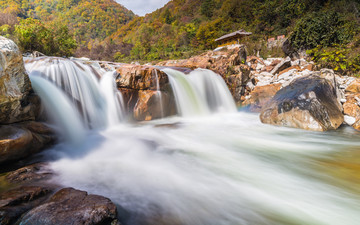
point(141, 7)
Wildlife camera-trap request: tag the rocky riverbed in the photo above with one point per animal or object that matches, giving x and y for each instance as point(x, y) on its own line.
point(285, 91)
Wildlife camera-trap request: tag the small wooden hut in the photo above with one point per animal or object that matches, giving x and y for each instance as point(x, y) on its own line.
point(232, 38)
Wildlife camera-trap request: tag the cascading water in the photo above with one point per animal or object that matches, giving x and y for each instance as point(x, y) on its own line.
point(89, 87)
point(200, 93)
point(220, 169)
point(158, 93)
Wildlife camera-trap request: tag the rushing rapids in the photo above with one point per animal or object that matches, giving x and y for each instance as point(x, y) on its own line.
point(224, 168)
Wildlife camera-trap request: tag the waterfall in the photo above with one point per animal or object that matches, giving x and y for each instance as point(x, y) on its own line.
point(90, 88)
point(158, 92)
point(60, 109)
point(201, 92)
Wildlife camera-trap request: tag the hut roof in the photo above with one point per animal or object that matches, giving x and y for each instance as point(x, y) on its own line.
point(239, 33)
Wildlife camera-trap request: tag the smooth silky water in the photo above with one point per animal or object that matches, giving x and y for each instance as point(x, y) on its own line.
point(215, 168)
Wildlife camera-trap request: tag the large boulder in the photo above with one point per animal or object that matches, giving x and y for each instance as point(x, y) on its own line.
point(70, 206)
point(146, 91)
point(311, 102)
point(21, 140)
point(15, 202)
point(17, 103)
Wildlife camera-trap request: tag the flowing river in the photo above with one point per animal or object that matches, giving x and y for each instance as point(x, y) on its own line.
point(219, 166)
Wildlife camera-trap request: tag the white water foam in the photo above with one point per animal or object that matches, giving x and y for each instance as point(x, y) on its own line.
point(223, 169)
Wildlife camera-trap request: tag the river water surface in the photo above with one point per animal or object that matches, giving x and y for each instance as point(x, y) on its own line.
point(211, 165)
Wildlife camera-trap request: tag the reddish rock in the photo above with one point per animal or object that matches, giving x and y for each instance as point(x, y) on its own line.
point(261, 95)
point(254, 60)
point(308, 67)
point(354, 87)
point(352, 109)
point(141, 77)
point(70, 206)
point(153, 105)
point(24, 139)
point(284, 64)
point(288, 69)
point(267, 69)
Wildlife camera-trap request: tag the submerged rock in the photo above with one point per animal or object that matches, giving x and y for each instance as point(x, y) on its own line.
point(311, 102)
point(70, 206)
point(17, 201)
point(17, 103)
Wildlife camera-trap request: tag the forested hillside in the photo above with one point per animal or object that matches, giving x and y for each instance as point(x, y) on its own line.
point(103, 29)
point(185, 26)
point(44, 22)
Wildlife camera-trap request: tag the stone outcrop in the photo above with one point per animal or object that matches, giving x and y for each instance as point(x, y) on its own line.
point(32, 199)
point(20, 136)
point(146, 92)
point(311, 102)
point(17, 102)
point(70, 206)
point(352, 104)
point(21, 140)
point(17, 201)
point(284, 64)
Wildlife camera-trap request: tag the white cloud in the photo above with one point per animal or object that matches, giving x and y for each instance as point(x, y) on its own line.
point(141, 7)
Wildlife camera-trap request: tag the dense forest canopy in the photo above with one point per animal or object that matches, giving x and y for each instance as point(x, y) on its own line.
point(103, 29)
point(87, 21)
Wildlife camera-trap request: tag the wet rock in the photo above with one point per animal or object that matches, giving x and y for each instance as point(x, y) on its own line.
point(32, 173)
point(14, 143)
point(15, 202)
point(141, 77)
point(21, 140)
point(70, 206)
point(284, 64)
point(309, 102)
point(146, 91)
point(153, 105)
point(17, 103)
point(260, 96)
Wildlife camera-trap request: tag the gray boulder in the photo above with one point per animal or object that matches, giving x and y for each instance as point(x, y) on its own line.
point(17, 103)
point(311, 102)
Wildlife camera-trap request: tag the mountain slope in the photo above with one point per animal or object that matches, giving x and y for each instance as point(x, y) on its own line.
point(87, 20)
point(191, 25)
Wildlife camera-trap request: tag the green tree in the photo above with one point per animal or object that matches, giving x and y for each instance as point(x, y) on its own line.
point(207, 8)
